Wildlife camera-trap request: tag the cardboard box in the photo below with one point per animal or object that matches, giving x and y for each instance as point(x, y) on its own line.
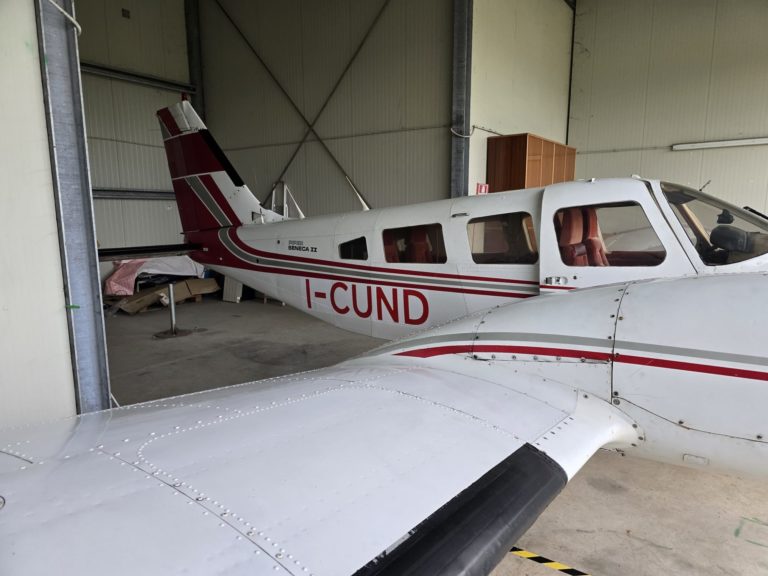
point(181, 291)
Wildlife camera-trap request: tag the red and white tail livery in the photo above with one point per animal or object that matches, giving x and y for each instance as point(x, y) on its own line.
point(209, 191)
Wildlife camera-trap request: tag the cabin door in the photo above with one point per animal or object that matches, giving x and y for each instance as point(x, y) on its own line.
point(612, 231)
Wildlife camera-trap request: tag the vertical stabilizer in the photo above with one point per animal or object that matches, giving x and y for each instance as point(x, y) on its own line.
point(209, 191)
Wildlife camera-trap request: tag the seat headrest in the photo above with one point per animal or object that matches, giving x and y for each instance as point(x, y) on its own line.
point(572, 231)
point(593, 229)
point(731, 238)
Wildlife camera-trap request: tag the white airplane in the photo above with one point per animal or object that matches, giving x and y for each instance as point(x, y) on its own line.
point(389, 271)
point(431, 455)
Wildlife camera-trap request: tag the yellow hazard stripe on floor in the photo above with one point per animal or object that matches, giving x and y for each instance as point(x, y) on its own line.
point(563, 568)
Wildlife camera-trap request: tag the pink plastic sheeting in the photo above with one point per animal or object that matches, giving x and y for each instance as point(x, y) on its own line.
point(123, 279)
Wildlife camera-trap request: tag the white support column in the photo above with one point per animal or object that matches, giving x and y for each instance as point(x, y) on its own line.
point(36, 380)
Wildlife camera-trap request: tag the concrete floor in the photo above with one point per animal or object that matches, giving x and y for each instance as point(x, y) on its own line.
point(619, 516)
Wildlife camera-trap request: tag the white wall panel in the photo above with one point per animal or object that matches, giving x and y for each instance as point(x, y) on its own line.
point(143, 36)
point(738, 174)
point(104, 162)
point(141, 167)
point(99, 106)
point(136, 222)
point(110, 223)
point(648, 74)
point(520, 72)
point(397, 91)
point(681, 56)
point(256, 165)
point(678, 167)
point(622, 89)
point(427, 153)
point(151, 222)
point(36, 380)
point(317, 166)
point(611, 164)
point(243, 106)
point(124, 140)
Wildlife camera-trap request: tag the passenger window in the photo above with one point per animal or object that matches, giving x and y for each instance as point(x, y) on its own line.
point(616, 234)
point(415, 244)
point(503, 239)
point(356, 249)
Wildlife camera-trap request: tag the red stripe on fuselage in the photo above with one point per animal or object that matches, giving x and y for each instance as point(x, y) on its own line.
point(691, 367)
point(287, 257)
point(505, 349)
point(570, 353)
point(217, 254)
point(232, 262)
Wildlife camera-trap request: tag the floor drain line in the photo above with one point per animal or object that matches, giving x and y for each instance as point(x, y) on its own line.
point(562, 568)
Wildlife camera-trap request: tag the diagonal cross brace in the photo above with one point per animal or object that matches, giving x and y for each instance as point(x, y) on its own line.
point(311, 125)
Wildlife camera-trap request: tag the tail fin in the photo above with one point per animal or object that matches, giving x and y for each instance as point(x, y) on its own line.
point(209, 191)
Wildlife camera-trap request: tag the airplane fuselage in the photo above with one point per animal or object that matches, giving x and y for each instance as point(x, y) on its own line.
point(361, 271)
point(388, 272)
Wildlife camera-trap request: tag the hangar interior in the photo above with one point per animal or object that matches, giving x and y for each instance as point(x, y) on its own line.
point(391, 101)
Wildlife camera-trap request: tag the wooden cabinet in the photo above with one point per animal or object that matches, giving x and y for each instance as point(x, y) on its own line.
point(527, 161)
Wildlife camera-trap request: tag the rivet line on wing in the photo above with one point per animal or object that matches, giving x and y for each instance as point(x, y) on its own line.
point(272, 547)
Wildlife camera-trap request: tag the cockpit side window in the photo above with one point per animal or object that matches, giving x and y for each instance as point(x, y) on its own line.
point(617, 234)
point(720, 232)
point(503, 239)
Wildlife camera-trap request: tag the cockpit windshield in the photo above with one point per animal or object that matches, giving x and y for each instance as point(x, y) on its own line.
point(722, 233)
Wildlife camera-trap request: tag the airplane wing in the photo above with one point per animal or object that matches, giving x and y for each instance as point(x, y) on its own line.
point(370, 467)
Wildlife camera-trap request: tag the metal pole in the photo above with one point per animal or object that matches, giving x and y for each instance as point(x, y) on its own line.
point(60, 64)
point(462, 88)
point(172, 306)
point(194, 54)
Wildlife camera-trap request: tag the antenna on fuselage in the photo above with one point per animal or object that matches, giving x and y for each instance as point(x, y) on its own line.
point(283, 201)
point(359, 196)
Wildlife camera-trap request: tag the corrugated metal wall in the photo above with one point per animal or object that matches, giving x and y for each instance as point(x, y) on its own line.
point(388, 123)
point(521, 56)
point(651, 73)
point(125, 147)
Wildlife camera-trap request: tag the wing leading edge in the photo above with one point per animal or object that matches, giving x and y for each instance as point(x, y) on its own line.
point(367, 469)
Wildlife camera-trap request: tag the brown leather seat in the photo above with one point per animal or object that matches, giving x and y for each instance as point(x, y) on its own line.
point(390, 247)
point(593, 240)
point(418, 249)
point(572, 248)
